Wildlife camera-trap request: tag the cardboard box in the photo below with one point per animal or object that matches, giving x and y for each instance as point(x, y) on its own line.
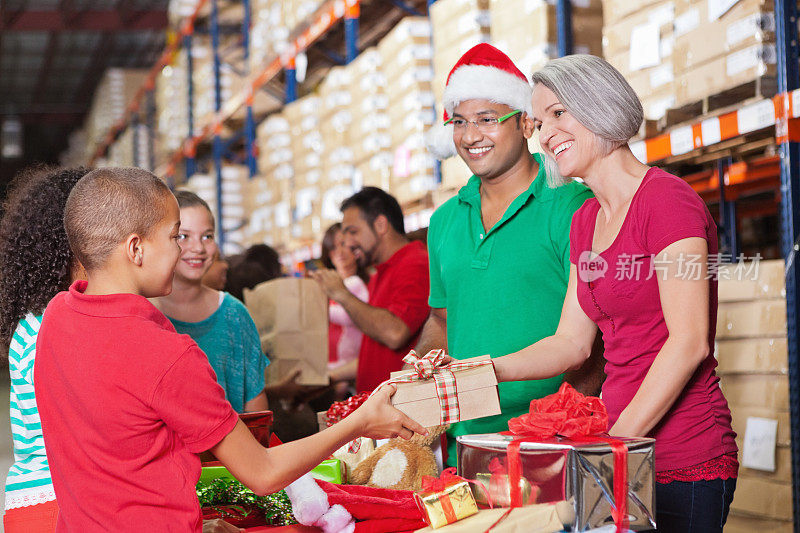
point(747, 524)
point(616, 10)
point(456, 20)
point(752, 280)
point(740, 414)
point(761, 318)
point(409, 31)
point(477, 395)
point(752, 356)
point(617, 35)
point(725, 73)
point(700, 38)
point(760, 497)
point(768, 391)
point(291, 315)
point(455, 173)
point(376, 171)
point(783, 464)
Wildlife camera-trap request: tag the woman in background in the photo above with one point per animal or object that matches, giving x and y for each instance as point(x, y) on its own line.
point(344, 337)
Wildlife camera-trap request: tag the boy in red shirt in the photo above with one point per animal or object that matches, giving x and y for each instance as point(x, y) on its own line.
point(126, 403)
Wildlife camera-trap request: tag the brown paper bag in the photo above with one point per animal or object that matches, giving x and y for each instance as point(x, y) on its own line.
point(291, 315)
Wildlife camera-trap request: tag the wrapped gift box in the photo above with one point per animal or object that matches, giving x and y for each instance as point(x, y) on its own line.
point(582, 474)
point(475, 391)
point(330, 470)
point(446, 504)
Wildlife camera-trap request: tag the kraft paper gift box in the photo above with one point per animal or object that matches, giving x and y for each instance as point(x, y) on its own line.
point(540, 518)
point(291, 315)
point(580, 473)
point(475, 390)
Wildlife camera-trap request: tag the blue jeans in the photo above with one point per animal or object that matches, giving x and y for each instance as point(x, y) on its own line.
point(693, 506)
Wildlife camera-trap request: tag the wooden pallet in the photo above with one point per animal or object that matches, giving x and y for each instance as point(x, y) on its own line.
point(722, 102)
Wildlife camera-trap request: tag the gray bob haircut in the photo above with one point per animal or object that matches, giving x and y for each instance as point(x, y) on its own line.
point(596, 94)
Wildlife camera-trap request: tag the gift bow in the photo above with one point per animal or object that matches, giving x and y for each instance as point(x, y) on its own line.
point(432, 365)
point(567, 413)
point(430, 484)
point(426, 365)
point(582, 419)
point(438, 484)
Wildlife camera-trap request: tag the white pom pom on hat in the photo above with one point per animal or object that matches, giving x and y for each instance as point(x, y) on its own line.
point(482, 73)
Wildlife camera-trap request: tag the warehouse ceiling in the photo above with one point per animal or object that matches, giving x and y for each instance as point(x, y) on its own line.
point(54, 52)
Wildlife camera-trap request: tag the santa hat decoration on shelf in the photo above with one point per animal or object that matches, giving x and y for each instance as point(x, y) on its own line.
point(482, 73)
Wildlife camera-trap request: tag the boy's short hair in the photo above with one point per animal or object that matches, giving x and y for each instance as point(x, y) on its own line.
point(109, 204)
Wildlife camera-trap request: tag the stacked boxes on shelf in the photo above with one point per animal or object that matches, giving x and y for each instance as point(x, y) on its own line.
point(172, 107)
point(638, 39)
point(259, 205)
point(407, 53)
point(115, 91)
point(753, 369)
point(269, 34)
point(722, 45)
point(203, 78)
point(130, 151)
point(372, 140)
point(527, 31)
point(458, 25)
point(275, 141)
point(297, 12)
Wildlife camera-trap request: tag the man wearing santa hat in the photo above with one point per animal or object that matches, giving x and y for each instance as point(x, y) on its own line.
point(499, 250)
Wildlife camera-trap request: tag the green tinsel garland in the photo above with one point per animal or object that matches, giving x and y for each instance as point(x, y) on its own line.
point(228, 492)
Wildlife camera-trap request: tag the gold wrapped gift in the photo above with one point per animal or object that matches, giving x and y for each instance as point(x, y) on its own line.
point(445, 503)
point(499, 490)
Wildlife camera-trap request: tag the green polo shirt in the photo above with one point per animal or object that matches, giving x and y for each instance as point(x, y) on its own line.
point(503, 288)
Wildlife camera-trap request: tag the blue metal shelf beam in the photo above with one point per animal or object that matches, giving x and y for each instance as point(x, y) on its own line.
point(217, 144)
point(351, 37)
point(788, 80)
point(727, 214)
point(187, 45)
point(249, 121)
point(564, 27)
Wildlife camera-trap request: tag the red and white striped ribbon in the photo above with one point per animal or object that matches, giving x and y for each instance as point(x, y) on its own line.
point(432, 365)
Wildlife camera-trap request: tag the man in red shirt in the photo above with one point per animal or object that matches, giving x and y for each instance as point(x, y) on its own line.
point(372, 223)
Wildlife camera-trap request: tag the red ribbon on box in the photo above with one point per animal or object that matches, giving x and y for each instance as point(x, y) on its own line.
point(439, 484)
point(581, 419)
point(431, 365)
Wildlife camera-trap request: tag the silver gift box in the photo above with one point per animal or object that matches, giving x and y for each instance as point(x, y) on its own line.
point(582, 474)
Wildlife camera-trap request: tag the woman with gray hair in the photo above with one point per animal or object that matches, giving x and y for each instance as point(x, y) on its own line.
point(639, 252)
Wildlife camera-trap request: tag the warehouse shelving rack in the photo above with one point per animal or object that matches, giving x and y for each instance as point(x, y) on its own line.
point(776, 119)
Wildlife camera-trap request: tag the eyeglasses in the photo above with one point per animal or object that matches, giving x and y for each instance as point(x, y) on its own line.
point(484, 124)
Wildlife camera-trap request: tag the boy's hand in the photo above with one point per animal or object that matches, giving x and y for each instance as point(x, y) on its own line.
point(378, 419)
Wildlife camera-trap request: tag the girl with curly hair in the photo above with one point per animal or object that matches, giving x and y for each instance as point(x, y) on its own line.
point(36, 263)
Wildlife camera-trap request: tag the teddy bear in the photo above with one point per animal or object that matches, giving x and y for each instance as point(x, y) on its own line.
point(400, 464)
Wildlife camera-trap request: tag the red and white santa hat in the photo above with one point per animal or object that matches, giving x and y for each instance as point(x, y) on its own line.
point(482, 73)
